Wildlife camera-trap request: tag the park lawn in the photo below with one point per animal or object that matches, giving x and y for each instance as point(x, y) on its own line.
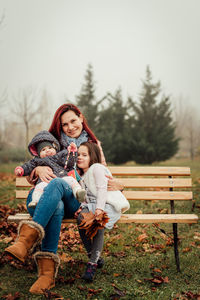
point(139, 258)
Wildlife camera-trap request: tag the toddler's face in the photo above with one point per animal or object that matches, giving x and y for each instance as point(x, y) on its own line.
point(47, 151)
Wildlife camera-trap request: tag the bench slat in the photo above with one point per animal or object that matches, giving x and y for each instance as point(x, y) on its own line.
point(137, 195)
point(21, 194)
point(159, 218)
point(131, 218)
point(22, 182)
point(150, 171)
point(147, 182)
point(156, 182)
point(158, 195)
point(131, 171)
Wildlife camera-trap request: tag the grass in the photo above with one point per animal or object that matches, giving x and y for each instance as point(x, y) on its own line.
point(139, 258)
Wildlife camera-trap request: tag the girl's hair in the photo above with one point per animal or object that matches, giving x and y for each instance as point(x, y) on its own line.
point(56, 126)
point(94, 152)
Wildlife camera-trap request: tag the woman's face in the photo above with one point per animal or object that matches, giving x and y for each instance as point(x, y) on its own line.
point(72, 125)
point(83, 158)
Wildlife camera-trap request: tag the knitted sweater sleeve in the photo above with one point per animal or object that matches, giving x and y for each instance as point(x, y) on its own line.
point(101, 182)
point(29, 166)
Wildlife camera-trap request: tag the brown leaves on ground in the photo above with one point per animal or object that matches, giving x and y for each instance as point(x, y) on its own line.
point(187, 295)
point(7, 177)
point(11, 297)
point(91, 292)
point(51, 295)
point(9, 230)
point(117, 293)
point(142, 237)
point(70, 239)
point(142, 242)
point(157, 279)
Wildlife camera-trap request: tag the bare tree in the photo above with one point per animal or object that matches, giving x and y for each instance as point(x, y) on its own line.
point(45, 113)
point(187, 126)
point(3, 101)
point(26, 108)
point(192, 132)
point(2, 18)
point(180, 114)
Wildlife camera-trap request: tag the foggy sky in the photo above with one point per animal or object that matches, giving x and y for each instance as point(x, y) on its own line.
point(49, 43)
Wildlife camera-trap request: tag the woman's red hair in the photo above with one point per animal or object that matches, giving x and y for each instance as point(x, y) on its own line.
point(56, 126)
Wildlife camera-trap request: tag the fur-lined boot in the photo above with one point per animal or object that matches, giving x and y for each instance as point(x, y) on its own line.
point(47, 264)
point(30, 234)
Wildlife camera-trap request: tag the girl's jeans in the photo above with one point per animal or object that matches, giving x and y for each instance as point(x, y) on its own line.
point(57, 202)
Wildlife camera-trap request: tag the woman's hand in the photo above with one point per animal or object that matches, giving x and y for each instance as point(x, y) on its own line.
point(114, 184)
point(45, 173)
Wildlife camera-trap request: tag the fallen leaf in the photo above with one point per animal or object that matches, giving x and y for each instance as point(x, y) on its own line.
point(139, 281)
point(187, 249)
point(12, 297)
point(142, 237)
point(157, 270)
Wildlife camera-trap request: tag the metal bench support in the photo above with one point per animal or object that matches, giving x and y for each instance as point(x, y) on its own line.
point(175, 233)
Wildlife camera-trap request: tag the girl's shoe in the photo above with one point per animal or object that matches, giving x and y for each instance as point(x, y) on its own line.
point(100, 263)
point(89, 272)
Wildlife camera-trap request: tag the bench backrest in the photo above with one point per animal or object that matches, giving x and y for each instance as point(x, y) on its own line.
point(142, 183)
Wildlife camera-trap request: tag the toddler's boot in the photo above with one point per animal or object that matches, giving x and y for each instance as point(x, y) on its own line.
point(80, 195)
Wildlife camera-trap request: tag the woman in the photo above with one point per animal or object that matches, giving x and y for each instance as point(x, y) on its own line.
point(56, 203)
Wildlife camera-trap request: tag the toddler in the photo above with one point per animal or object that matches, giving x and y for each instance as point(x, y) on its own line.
point(44, 146)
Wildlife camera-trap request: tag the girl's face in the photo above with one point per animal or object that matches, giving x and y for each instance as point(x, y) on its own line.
point(83, 158)
point(72, 125)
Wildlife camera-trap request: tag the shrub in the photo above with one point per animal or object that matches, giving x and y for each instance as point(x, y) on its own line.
point(12, 155)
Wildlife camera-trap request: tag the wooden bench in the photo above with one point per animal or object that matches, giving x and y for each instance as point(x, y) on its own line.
point(143, 183)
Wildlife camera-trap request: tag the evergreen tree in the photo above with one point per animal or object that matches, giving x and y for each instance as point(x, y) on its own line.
point(152, 129)
point(112, 130)
point(86, 101)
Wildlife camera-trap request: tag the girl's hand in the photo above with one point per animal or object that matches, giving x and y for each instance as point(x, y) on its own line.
point(72, 148)
point(98, 211)
point(45, 173)
point(114, 184)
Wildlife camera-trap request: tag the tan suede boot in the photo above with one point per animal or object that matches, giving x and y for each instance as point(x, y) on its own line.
point(30, 234)
point(47, 264)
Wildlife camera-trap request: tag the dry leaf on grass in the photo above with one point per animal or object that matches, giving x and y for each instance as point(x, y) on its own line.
point(142, 237)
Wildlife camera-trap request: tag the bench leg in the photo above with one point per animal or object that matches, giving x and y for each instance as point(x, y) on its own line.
point(175, 232)
point(176, 253)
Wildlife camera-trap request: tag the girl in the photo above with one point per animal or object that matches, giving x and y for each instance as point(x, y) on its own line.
point(95, 182)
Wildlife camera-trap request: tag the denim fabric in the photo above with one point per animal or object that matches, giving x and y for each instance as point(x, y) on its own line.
point(56, 202)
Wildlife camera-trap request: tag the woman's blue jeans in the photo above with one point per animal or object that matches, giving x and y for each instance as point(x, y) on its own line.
point(57, 202)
